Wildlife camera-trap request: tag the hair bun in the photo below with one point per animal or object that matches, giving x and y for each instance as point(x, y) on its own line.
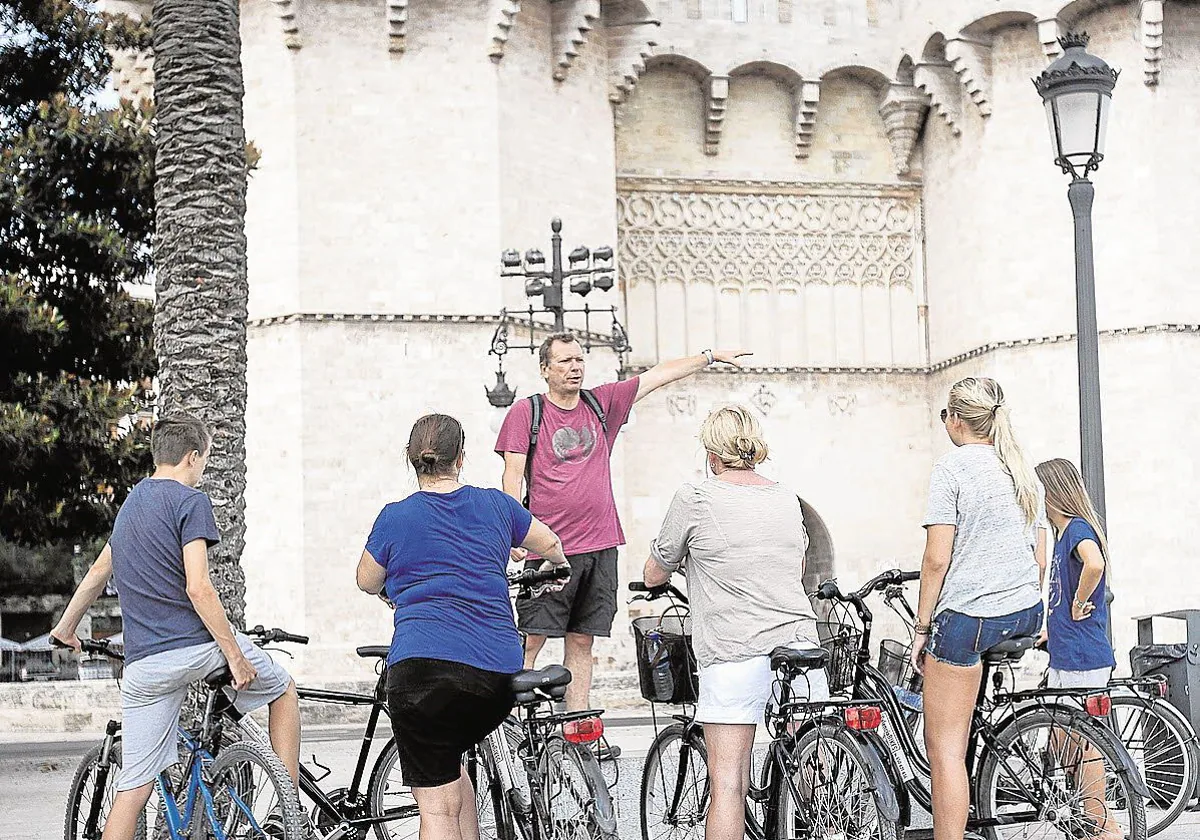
point(428, 457)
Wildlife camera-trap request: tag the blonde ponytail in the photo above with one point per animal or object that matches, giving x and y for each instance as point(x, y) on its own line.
point(979, 402)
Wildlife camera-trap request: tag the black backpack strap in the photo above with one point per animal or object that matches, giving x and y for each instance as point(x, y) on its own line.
point(535, 428)
point(594, 404)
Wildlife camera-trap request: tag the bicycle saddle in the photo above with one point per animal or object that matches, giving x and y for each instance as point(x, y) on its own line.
point(367, 651)
point(552, 680)
point(219, 678)
point(1010, 650)
point(798, 660)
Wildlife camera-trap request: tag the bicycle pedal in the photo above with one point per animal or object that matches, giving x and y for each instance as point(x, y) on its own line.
point(759, 794)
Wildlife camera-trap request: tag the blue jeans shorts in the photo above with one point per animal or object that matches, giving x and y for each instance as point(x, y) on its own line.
point(959, 639)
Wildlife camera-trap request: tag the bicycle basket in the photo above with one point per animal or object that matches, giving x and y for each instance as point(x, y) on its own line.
point(667, 670)
point(842, 640)
point(894, 662)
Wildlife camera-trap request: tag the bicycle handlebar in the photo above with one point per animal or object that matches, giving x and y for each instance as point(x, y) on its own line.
point(536, 577)
point(100, 646)
point(829, 591)
point(653, 593)
point(262, 635)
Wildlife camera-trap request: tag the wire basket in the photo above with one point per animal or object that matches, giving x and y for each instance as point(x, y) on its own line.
point(895, 662)
point(667, 669)
point(842, 640)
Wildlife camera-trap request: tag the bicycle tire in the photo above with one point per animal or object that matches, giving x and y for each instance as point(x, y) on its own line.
point(83, 791)
point(1116, 785)
point(232, 773)
point(832, 804)
point(1172, 775)
point(387, 781)
point(565, 767)
point(490, 812)
point(660, 774)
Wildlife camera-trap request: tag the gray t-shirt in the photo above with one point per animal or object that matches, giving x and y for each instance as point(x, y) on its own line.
point(742, 548)
point(993, 570)
point(158, 519)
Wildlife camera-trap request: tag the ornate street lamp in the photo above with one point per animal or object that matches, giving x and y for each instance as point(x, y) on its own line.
point(1077, 91)
point(587, 269)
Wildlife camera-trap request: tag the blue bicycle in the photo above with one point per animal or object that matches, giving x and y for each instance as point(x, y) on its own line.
point(220, 790)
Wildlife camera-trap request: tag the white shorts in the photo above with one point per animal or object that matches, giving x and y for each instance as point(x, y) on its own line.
point(153, 691)
point(1096, 678)
point(738, 692)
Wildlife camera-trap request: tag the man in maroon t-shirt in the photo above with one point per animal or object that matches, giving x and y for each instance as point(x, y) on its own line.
point(571, 491)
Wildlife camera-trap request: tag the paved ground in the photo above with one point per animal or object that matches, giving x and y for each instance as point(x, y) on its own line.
point(35, 776)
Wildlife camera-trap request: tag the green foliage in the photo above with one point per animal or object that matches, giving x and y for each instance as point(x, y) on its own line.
point(76, 224)
point(48, 569)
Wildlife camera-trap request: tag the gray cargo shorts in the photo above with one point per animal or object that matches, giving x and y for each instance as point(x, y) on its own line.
point(153, 690)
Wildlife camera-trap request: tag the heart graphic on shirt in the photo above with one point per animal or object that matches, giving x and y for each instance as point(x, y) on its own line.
point(574, 444)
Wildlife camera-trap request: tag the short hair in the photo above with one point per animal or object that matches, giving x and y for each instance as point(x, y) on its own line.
point(551, 340)
point(175, 435)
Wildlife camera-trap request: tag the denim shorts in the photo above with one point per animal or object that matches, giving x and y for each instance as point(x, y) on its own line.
point(958, 639)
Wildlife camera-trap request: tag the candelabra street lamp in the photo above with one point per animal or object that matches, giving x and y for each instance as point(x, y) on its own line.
point(586, 270)
point(1077, 91)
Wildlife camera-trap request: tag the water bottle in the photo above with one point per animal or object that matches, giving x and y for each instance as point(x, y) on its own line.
point(660, 667)
point(910, 695)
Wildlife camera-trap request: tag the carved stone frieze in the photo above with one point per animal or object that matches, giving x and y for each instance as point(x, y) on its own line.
point(1152, 39)
point(681, 405)
point(504, 17)
point(397, 22)
point(717, 93)
point(764, 399)
point(940, 82)
point(628, 53)
point(971, 59)
point(287, 20)
point(903, 111)
point(572, 20)
point(843, 404)
point(1049, 31)
point(767, 239)
point(808, 96)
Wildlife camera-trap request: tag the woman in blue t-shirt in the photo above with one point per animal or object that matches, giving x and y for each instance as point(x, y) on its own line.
point(439, 557)
point(1077, 629)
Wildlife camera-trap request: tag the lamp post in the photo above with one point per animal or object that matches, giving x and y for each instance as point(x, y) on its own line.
point(1077, 91)
point(586, 270)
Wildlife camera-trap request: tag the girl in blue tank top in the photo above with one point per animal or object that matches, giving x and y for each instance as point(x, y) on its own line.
point(1077, 627)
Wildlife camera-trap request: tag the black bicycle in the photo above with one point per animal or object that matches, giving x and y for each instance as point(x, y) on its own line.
point(536, 776)
point(1042, 766)
point(822, 777)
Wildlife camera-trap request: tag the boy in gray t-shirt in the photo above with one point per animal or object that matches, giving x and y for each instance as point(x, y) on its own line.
point(175, 628)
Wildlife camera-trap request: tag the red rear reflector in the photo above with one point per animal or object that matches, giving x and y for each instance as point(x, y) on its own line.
point(1162, 689)
point(584, 731)
point(1098, 705)
point(863, 718)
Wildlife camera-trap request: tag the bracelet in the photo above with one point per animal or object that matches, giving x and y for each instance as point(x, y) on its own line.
point(922, 629)
point(1079, 605)
point(708, 354)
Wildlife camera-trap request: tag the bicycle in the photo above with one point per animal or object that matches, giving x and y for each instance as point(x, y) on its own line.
point(561, 793)
point(1035, 759)
point(224, 790)
point(1157, 736)
point(800, 792)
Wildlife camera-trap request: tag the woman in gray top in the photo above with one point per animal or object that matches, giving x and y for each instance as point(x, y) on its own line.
point(741, 540)
point(985, 549)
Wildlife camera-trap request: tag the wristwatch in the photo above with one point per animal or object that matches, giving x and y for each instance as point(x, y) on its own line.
point(708, 354)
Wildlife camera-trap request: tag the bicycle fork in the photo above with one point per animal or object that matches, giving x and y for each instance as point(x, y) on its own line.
point(103, 768)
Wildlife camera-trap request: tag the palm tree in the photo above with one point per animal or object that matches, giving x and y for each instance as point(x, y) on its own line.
point(200, 252)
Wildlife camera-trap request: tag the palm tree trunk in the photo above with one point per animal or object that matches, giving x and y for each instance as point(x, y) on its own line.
point(200, 253)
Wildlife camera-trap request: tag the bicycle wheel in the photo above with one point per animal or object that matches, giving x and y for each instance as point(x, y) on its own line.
point(253, 797)
point(675, 786)
point(833, 782)
point(1055, 773)
point(1163, 746)
point(577, 804)
point(388, 794)
point(83, 793)
point(489, 798)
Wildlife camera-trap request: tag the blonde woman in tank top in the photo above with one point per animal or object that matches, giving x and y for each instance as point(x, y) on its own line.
point(741, 539)
point(985, 554)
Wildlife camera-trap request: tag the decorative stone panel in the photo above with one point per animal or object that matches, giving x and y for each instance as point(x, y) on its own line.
point(903, 111)
point(808, 273)
point(1152, 38)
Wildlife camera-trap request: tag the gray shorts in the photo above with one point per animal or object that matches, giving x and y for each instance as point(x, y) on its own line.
point(1096, 678)
point(153, 691)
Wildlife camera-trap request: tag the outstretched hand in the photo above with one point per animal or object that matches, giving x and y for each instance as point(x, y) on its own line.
point(730, 357)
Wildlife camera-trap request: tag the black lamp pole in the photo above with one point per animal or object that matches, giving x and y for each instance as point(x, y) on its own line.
point(1091, 438)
